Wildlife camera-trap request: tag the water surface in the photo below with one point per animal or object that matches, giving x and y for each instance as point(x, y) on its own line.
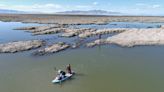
point(101, 69)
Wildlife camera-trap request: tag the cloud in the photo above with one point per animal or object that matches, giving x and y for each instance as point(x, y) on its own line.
point(44, 8)
point(156, 6)
point(138, 8)
point(82, 6)
point(140, 4)
point(142, 9)
point(147, 6)
point(95, 3)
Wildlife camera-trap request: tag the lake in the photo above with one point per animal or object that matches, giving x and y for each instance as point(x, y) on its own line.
point(107, 68)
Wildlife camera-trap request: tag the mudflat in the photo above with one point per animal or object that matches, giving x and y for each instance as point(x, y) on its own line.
point(76, 19)
point(64, 26)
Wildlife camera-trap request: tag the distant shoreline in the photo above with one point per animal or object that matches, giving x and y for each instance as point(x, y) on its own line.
point(58, 14)
point(75, 19)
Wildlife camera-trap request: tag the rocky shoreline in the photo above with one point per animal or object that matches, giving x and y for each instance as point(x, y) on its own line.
point(13, 47)
point(134, 37)
point(138, 37)
point(57, 47)
point(101, 32)
point(125, 37)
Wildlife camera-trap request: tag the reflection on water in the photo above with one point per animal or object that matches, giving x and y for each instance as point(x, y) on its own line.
point(100, 69)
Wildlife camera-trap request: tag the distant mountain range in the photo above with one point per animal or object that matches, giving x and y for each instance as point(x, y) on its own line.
point(5, 11)
point(90, 12)
point(73, 12)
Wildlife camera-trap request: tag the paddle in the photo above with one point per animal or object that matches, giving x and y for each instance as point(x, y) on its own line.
point(55, 68)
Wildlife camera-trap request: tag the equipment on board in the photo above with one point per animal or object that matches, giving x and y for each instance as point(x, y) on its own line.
point(60, 79)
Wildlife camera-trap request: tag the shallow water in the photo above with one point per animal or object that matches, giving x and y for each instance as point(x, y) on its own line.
point(122, 25)
point(7, 34)
point(107, 68)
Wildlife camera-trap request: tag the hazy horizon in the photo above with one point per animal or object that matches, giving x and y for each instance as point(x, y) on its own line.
point(128, 7)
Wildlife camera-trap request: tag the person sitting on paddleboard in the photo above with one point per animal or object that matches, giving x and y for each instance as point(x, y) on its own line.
point(68, 69)
point(61, 74)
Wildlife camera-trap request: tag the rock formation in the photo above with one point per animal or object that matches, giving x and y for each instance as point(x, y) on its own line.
point(13, 47)
point(53, 48)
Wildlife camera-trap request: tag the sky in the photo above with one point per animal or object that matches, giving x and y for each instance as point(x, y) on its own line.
point(133, 7)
